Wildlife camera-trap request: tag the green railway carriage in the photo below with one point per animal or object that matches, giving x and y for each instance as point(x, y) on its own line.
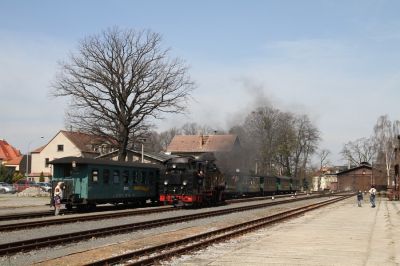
point(250, 185)
point(240, 185)
point(280, 184)
point(88, 182)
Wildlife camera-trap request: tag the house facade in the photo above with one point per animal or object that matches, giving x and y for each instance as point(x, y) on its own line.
point(63, 144)
point(327, 178)
point(69, 143)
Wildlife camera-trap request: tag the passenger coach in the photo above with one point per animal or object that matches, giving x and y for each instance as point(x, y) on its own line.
point(89, 182)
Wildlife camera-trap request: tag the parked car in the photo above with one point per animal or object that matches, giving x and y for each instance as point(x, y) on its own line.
point(23, 184)
point(7, 188)
point(46, 187)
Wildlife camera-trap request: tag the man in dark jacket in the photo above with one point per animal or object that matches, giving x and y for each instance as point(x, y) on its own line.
point(359, 197)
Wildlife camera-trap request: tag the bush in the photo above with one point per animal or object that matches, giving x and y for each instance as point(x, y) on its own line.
point(41, 178)
point(6, 174)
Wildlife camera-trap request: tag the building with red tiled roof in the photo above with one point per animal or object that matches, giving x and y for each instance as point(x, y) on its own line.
point(67, 143)
point(197, 144)
point(226, 149)
point(9, 156)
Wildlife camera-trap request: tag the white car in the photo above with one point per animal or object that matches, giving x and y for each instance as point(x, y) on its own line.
point(7, 188)
point(46, 187)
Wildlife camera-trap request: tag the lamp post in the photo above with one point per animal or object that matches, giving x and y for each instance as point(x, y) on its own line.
point(27, 157)
point(142, 141)
point(142, 153)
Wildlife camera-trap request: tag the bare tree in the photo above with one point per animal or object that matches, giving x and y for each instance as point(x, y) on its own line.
point(307, 138)
point(323, 158)
point(385, 136)
point(358, 151)
point(196, 129)
point(167, 136)
point(281, 141)
point(323, 161)
point(262, 128)
point(152, 142)
point(118, 80)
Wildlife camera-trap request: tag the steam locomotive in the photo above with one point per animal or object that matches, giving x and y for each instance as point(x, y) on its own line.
point(197, 181)
point(185, 181)
point(192, 180)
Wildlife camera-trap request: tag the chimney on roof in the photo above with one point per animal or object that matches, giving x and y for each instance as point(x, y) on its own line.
point(203, 140)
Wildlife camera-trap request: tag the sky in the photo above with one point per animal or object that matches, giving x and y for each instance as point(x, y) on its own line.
point(336, 61)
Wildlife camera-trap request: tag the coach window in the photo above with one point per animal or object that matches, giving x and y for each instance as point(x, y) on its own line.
point(145, 180)
point(116, 176)
point(139, 178)
point(106, 176)
point(151, 177)
point(125, 176)
point(95, 175)
point(134, 177)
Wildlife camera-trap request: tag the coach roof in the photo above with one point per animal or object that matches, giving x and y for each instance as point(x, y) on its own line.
point(80, 160)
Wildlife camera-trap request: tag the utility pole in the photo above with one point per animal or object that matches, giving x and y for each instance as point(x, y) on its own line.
point(27, 157)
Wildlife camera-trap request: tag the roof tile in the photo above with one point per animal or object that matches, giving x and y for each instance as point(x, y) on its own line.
point(202, 143)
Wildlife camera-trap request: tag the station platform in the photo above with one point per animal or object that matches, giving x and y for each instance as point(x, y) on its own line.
point(339, 234)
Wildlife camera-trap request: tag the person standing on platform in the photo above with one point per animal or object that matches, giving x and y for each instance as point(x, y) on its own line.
point(372, 195)
point(58, 194)
point(359, 197)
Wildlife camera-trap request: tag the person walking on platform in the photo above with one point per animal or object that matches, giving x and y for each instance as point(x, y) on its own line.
point(372, 195)
point(359, 197)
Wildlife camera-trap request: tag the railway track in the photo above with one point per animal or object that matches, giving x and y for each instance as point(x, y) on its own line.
point(40, 214)
point(155, 254)
point(49, 213)
point(90, 217)
point(26, 215)
point(100, 216)
point(30, 244)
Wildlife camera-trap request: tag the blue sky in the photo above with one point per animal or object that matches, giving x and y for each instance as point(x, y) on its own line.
point(336, 61)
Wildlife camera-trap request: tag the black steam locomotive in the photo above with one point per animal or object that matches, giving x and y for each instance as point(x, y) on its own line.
point(197, 181)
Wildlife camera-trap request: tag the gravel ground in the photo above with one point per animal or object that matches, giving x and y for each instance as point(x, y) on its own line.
point(31, 257)
point(15, 203)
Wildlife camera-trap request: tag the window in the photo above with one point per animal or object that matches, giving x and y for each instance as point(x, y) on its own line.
point(60, 147)
point(125, 176)
point(134, 176)
point(151, 177)
point(145, 180)
point(106, 176)
point(116, 176)
point(46, 162)
point(139, 179)
point(95, 175)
